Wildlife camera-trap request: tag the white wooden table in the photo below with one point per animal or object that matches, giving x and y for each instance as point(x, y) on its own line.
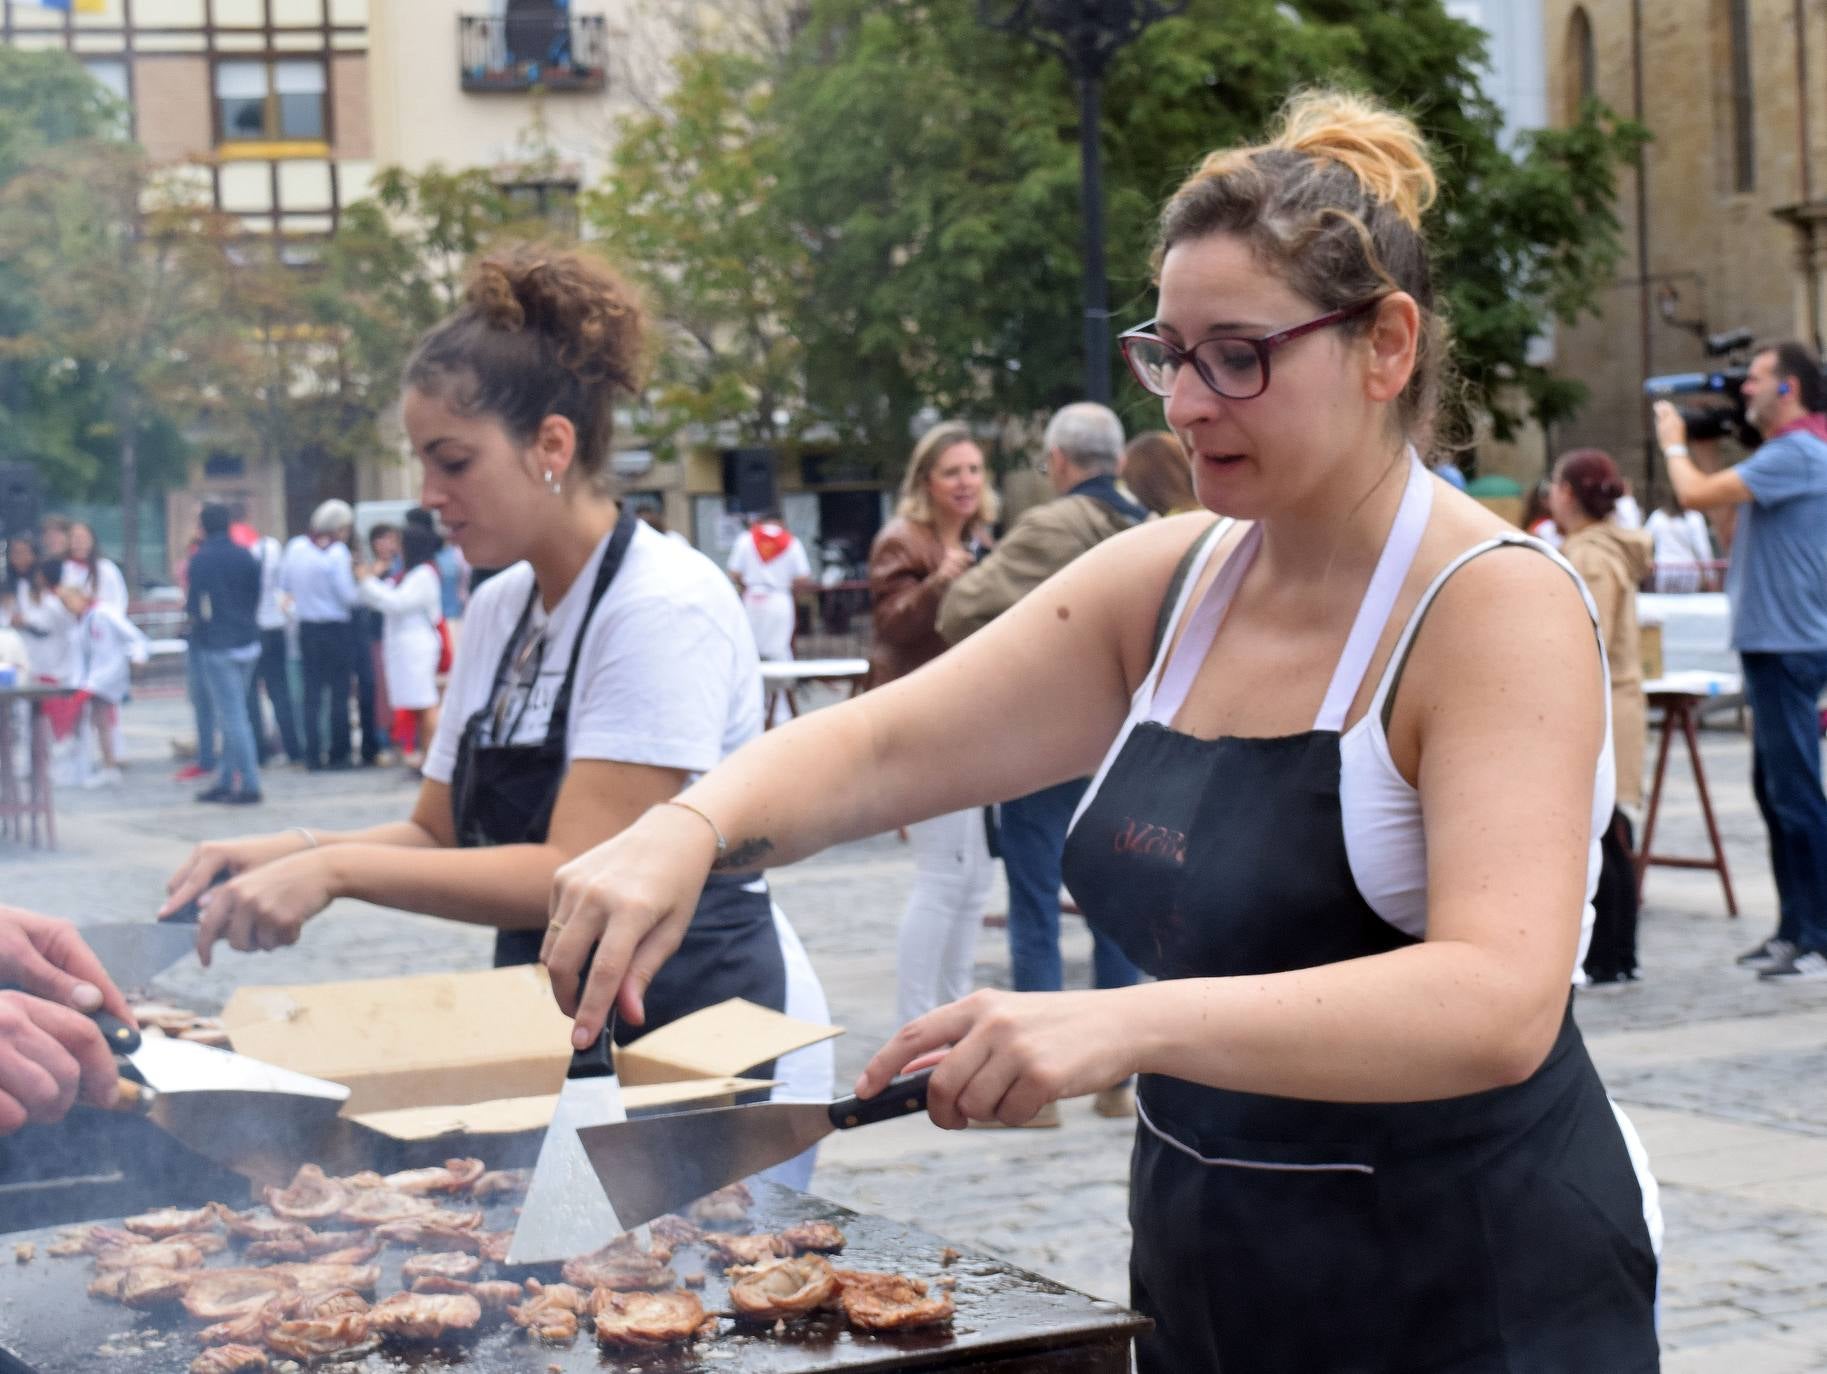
point(781, 679)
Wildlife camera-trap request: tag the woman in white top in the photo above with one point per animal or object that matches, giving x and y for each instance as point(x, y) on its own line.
point(599, 672)
point(85, 567)
point(410, 609)
point(1346, 812)
point(1683, 549)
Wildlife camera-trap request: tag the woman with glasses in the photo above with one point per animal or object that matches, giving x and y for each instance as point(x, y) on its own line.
point(1326, 815)
point(598, 674)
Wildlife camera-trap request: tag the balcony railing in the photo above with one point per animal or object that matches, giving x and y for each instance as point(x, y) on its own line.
point(533, 47)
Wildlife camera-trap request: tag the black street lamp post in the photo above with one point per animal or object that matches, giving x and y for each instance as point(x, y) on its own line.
point(1085, 34)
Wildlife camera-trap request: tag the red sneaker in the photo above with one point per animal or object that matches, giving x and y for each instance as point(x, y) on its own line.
point(190, 772)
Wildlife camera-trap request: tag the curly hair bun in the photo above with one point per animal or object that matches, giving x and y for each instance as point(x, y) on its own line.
point(1382, 149)
point(592, 320)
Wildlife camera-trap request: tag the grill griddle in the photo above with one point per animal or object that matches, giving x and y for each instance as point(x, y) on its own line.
point(1007, 1319)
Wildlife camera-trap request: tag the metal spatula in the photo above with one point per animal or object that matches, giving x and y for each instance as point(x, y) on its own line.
point(136, 952)
point(567, 1212)
point(658, 1164)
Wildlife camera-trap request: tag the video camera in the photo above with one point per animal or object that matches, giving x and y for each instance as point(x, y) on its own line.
point(1721, 408)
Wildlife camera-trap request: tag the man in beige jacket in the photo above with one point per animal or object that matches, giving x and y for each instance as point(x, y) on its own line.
point(1083, 445)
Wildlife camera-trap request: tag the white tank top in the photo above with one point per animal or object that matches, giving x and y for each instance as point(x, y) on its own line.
point(1385, 842)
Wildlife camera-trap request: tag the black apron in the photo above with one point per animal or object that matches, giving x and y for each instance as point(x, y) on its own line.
point(1499, 1233)
point(503, 793)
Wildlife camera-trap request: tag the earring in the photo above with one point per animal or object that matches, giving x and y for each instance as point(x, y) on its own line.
point(552, 482)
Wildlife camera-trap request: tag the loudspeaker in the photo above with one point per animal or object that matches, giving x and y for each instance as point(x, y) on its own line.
point(21, 497)
point(748, 479)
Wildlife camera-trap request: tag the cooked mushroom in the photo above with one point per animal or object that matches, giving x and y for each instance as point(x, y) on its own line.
point(889, 1302)
point(746, 1249)
point(166, 1222)
point(550, 1311)
point(786, 1288)
point(424, 1316)
point(623, 1267)
point(230, 1359)
point(643, 1321)
point(724, 1205)
point(816, 1236)
point(311, 1196)
point(321, 1338)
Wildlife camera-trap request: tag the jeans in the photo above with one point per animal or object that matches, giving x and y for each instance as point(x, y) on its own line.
point(937, 949)
point(272, 675)
point(1783, 692)
point(362, 655)
point(1033, 840)
point(202, 708)
point(227, 673)
point(327, 648)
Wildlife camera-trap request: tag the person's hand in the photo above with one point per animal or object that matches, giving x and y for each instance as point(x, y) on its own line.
point(265, 907)
point(46, 956)
point(1671, 429)
point(635, 894)
point(953, 565)
point(1010, 1053)
point(230, 857)
point(48, 1055)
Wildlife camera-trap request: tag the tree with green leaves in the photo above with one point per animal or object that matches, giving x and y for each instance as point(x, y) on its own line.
point(930, 166)
point(688, 208)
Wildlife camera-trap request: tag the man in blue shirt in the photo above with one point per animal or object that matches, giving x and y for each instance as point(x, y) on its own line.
point(1777, 582)
point(224, 602)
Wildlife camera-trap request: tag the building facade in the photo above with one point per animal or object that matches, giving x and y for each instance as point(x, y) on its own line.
point(1724, 223)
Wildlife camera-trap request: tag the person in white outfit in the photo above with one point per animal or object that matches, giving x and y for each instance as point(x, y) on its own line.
point(109, 645)
point(85, 567)
point(766, 564)
point(1682, 548)
point(410, 609)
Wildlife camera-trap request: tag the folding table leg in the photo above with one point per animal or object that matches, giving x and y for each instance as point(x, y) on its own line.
point(1706, 810)
point(1655, 798)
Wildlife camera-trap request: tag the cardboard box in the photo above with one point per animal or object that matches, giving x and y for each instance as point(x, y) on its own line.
point(486, 1052)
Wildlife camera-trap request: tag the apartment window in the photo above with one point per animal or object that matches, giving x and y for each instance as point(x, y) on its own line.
point(553, 201)
point(110, 73)
point(1744, 135)
point(270, 100)
point(1581, 63)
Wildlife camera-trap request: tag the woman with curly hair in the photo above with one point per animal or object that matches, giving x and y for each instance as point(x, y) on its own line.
point(600, 672)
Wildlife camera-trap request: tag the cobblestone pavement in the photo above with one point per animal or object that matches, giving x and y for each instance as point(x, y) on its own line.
point(1722, 1074)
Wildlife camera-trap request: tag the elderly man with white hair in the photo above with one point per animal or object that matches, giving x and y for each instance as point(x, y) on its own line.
point(1082, 446)
point(317, 573)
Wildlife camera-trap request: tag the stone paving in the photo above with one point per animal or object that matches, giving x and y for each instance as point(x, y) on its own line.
point(1722, 1074)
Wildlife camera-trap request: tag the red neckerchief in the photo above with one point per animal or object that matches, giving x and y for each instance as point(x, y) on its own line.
point(771, 540)
point(1813, 423)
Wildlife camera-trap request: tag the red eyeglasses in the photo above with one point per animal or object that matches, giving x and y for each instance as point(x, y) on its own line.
point(1235, 367)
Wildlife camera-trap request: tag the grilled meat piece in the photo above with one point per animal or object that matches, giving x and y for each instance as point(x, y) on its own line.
point(209, 1242)
point(889, 1302)
point(108, 1285)
point(493, 1246)
point(449, 1265)
point(326, 1302)
point(424, 1316)
point(357, 1254)
point(221, 1294)
point(495, 1295)
point(230, 1359)
point(93, 1240)
point(378, 1206)
point(674, 1229)
point(319, 1338)
point(23, 1252)
point(145, 1287)
point(819, 1237)
point(250, 1329)
point(645, 1321)
point(785, 1289)
point(447, 1231)
point(166, 1222)
point(455, 1177)
point(304, 1244)
point(318, 1274)
point(500, 1183)
point(745, 1249)
point(621, 1266)
point(157, 1254)
point(250, 1226)
point(310, 1197)
point(550, 1311)
point(725, 1205)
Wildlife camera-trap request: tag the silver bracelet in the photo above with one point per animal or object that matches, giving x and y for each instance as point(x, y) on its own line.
point(1674, 450)
point(310, 839)
point(722, 844)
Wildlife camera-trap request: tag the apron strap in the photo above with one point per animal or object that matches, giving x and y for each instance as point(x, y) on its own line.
point(605, 574)
point(1380, 596)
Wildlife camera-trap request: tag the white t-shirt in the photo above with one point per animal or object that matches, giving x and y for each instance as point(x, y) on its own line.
point(110, 586)
point(669, 676)
point(777, 574)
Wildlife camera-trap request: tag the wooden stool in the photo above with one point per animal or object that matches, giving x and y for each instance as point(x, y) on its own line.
point(1680, 701)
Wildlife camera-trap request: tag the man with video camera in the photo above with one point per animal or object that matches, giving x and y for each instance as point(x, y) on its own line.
point(1777, 582)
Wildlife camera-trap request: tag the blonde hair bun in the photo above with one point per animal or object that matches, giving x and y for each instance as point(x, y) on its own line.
point(1382, 149)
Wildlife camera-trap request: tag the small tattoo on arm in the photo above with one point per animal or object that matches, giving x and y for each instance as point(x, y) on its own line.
point(744, 854)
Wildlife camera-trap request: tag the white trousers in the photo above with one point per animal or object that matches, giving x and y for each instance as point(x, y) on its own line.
point(953, 873)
